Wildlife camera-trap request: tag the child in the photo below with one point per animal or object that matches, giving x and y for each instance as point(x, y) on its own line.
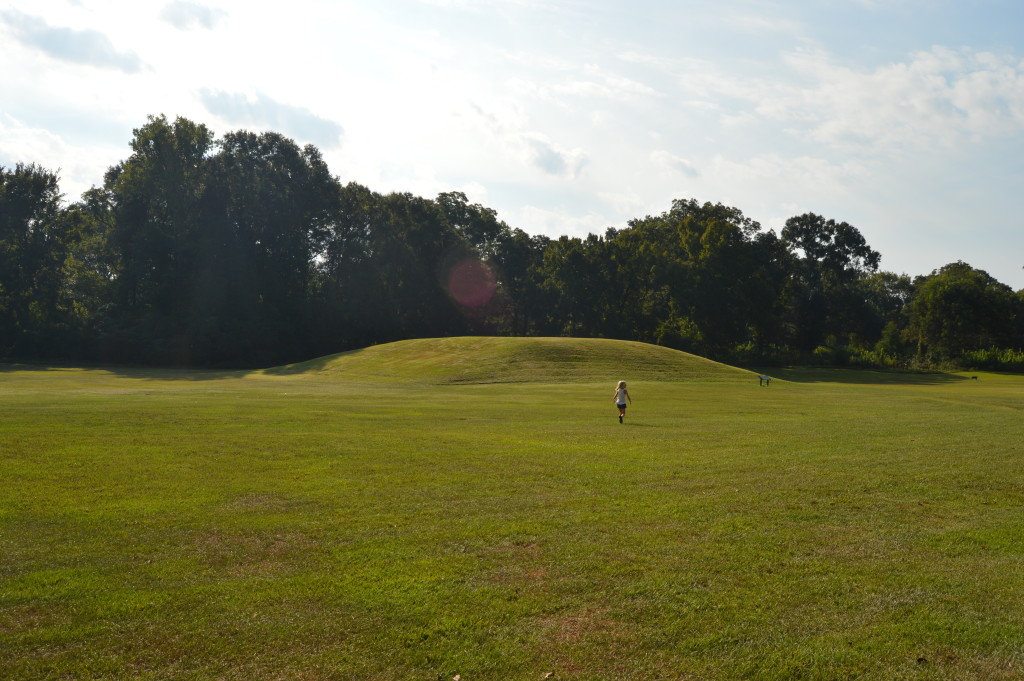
point(621, 395)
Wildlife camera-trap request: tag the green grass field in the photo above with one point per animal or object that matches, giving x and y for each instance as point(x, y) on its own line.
point(472, 507)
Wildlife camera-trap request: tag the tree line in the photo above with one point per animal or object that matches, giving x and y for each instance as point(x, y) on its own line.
point(245, 251)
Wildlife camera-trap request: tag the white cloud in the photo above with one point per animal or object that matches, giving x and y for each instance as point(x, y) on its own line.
point(595, 82)
point(88, 47)
point(674, 163)
point(557, 80)
point(624, 202)
point(938, 97)
point(750, 22)
point(551, 158)
point(784, 176)
point(76, 165)
point(507, 124)
point(475, 192)
point(558, 222)
point(21, 143)
point(185, 16)
point(300, 122)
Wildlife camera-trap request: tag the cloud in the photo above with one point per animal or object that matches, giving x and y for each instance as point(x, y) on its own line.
point(75, 164)
point(704, 85)
point(299, 122)
point(185, 16)
point(939, 97)
point(574, 80)
point(22, 144)
point(558, 222)
point(510, 128)
point(595, 82)
point(675, 163)
point(82, 47)
point(935, 98)
point(551, 159)
point(802, 171)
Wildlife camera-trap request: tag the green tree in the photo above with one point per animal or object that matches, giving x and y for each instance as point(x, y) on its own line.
point(155, 198)
point(32, 247)
point(518, 259)
point(886, 314)
point(268, 212)
point(700, 277)
point(959, 308)
point(477, 225)
point(348, 294)
point(413, 247)
point(765, 291)
point(642, 265)
point(577, 283)
point(89, 272)
point(833, 260)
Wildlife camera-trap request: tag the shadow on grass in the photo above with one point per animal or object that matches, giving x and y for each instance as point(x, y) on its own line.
point(142, 373)
point(860, 376)
point(170, 373)
point(303, 367)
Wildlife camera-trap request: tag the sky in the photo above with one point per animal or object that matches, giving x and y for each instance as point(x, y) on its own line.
point(904, 118)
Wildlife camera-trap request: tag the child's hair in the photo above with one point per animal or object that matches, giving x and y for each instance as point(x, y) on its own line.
point(622, 384)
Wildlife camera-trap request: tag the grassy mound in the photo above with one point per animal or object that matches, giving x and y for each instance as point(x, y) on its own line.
point(515, 360)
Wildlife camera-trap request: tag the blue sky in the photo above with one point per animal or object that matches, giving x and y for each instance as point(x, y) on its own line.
point(904, 118)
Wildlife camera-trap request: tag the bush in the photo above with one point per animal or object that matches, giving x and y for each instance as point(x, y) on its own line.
point(826, 355)
point(751, 354)
point(994, 359)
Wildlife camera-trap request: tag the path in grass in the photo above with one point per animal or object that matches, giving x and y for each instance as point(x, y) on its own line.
point(324, 521)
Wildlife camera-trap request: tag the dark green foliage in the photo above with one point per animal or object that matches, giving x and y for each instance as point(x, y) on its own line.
point(246, 251)
point(958, 308)
point(835, 259)
point(36, 292)
point(518, 260)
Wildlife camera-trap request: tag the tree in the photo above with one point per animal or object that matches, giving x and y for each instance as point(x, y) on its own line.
point(412, 249)
point(700, 277)
point(834, 258)
point(246, 251)
point(155, 195)
point(885, 315)
point(348, 287)
point(575, 280)
point(89, 272)
point(518, 260)
point(477, 225)
point(958, 308)
point(766, 290)
point(642, 268)
point(155, 201)
point(269, 208)
point(32, 247)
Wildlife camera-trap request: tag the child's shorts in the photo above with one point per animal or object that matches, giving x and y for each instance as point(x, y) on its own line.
point(621, 406)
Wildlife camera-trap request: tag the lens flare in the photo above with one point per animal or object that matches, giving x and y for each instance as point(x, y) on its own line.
point(471, 283)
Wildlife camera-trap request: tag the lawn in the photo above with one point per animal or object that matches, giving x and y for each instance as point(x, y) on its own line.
point(473, 508)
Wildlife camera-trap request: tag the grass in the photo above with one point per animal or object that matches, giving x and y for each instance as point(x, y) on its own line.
point(472, 507)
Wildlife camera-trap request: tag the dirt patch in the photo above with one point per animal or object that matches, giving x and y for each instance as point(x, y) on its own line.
point(248, 554)
point(519, 563)
point(583, 639)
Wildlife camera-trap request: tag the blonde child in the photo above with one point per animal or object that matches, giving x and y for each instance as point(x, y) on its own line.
point(621, 395)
